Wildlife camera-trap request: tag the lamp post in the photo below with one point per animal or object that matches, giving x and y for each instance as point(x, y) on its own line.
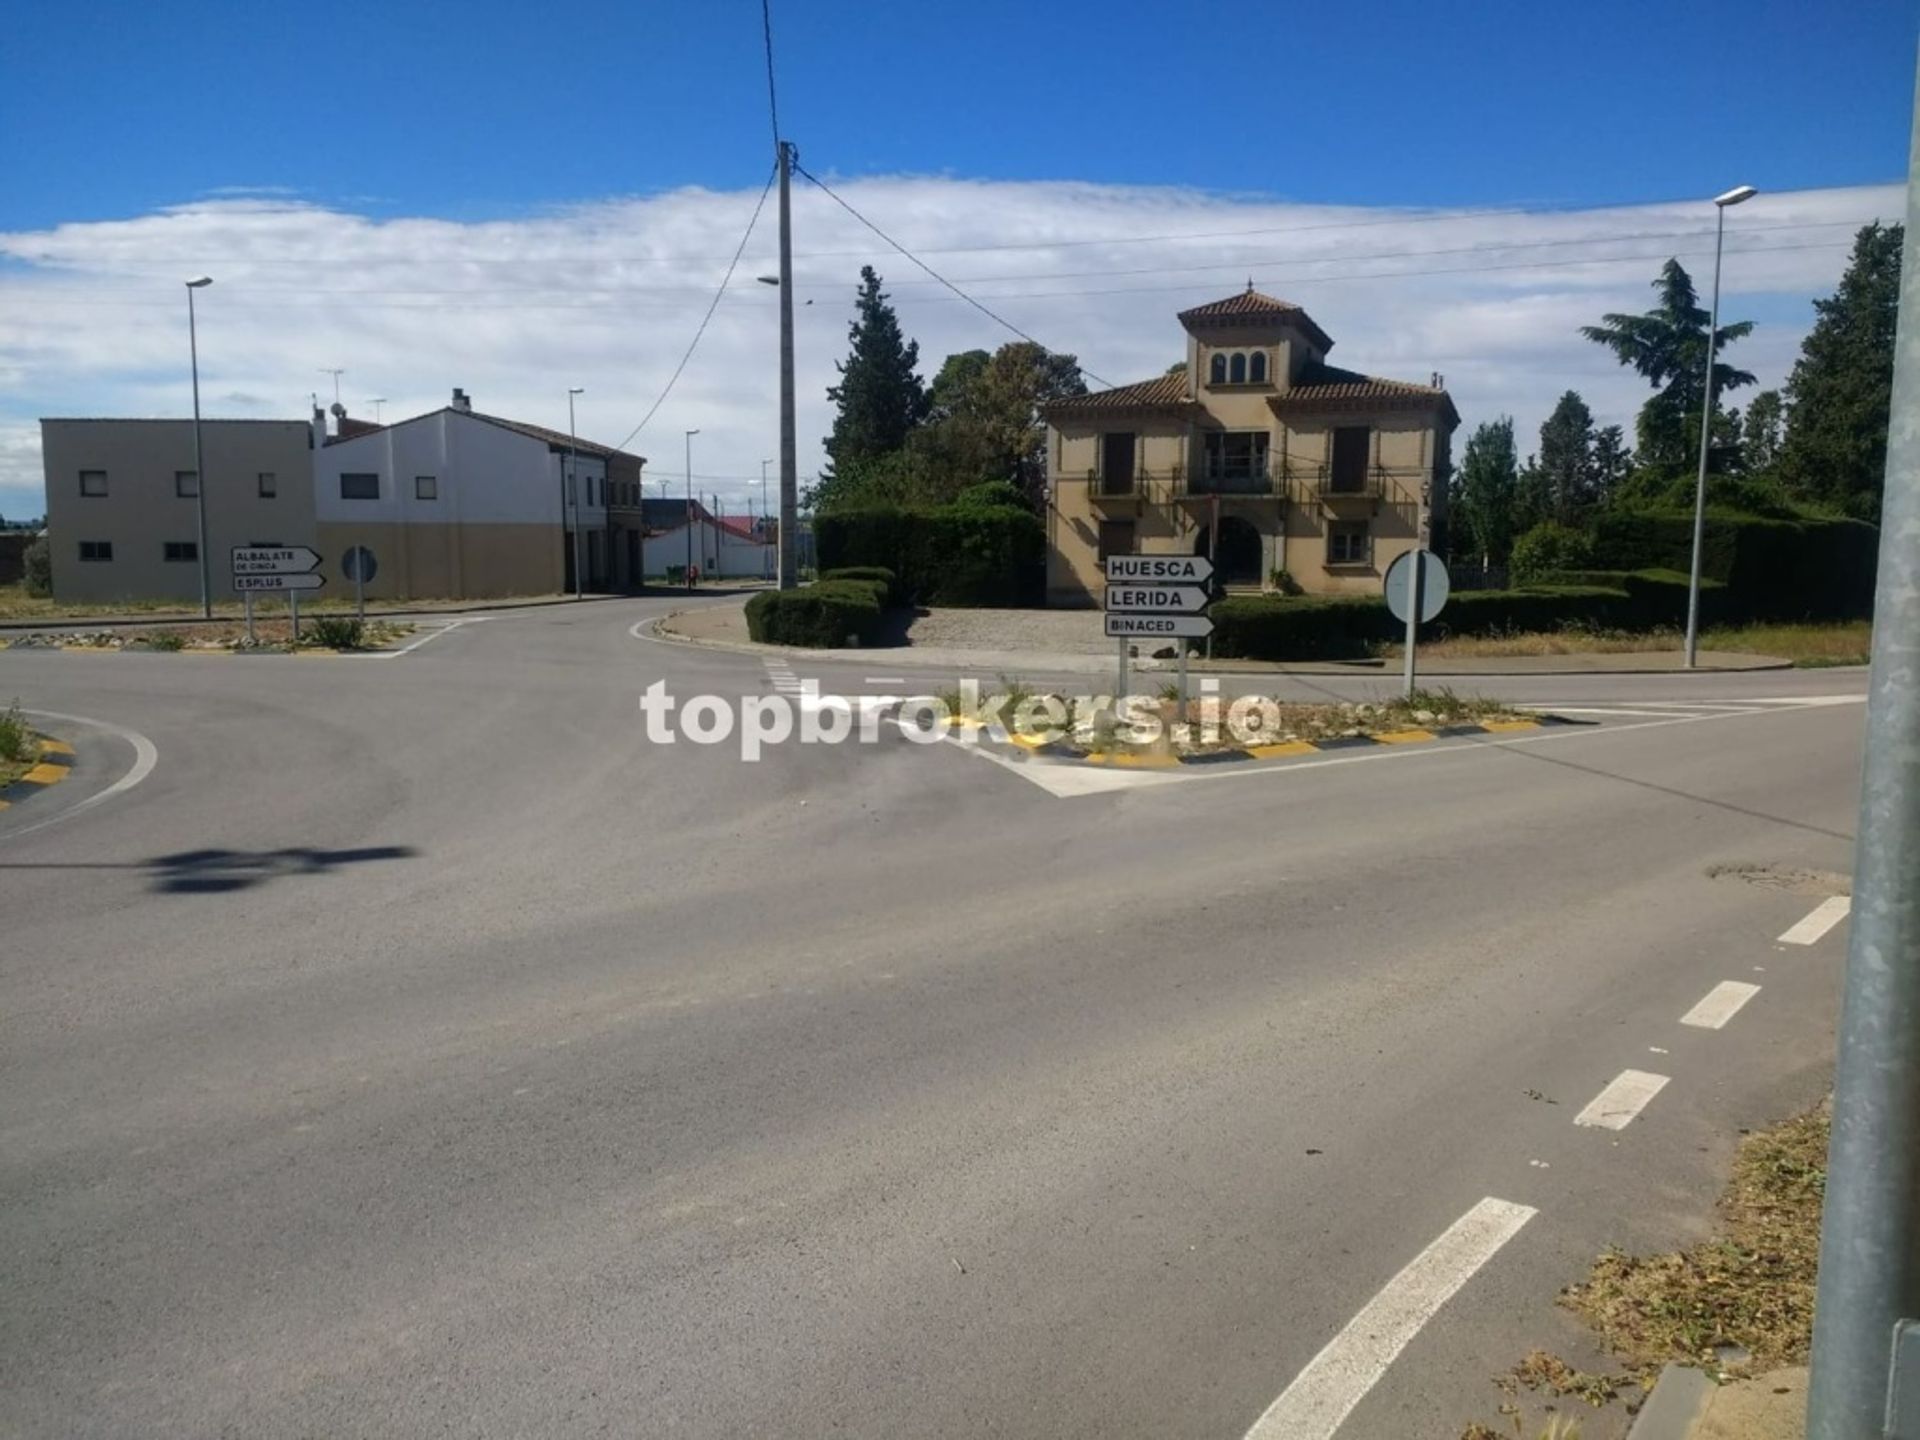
point(690, 435)
point(1735, 196)
point(573, 486)
point(199, 467)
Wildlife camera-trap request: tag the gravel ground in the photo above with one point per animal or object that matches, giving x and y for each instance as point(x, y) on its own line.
point(1062, 632)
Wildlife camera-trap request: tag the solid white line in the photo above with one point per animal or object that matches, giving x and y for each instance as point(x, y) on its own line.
point(1720, 1005)
point(1625, 1097)
point(1827, 914)
point(145, 756)
point(413, 645)
point(1339, 1377)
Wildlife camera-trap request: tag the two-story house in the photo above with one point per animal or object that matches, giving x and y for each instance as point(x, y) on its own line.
point(1255, 452)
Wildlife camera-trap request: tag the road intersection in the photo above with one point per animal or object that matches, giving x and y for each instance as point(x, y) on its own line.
point(415, 1046)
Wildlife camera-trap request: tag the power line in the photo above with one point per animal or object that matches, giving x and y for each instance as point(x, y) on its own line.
point(694, 344)
point(773, 103)
point(997, 319)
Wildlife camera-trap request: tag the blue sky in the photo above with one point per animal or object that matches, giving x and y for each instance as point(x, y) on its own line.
point(489, 108)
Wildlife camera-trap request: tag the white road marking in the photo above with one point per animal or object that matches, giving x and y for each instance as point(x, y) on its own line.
point(1625, 1097)
point(1720, 1005)
point(145, 756)
point(1827, 914)
point(413, 645)
point(886, 680)
point(1322, 1395)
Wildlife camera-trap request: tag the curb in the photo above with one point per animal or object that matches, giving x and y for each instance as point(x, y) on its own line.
point(1059, 752)
point(1678, 1400)
point(54, 765)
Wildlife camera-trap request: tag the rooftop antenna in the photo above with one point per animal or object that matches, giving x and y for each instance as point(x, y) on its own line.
point(336, 374)
point(376, 403)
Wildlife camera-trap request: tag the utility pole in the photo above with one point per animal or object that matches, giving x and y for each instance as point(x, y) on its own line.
point(789, 464)
point(573, 486)
point(689, 574)
point(199, 465)
point(1870, 1227)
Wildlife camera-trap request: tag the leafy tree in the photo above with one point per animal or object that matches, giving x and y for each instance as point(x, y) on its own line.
point(1840, 392)
point(1566, 459)
point(38, 561)
point(1765, 415)
point(1548, 547)
point(1668, 345)
point(1612, 462)
point(880, 398)
point(987, 423)
point(1488, 484)
point(1532, 497)
point(1178, 367)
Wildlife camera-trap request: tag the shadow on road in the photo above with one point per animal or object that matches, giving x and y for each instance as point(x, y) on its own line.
point(217, 872)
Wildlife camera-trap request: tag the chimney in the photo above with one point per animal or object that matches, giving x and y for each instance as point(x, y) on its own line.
point(461, 402)
point(319, 428)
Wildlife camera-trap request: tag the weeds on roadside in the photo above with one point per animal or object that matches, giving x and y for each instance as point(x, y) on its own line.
point(336, 632)
point(166, 640)
point(16, 740)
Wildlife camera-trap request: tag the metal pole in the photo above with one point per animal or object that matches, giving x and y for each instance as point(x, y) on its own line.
point(1213, 544)
point(1706, 431)
point(1182, 643)
point(199, 468)
point(689, 575)
point(247, 600)
point(789, 463)
point(360, 592)
point(1870, 1231)
point(1414, 595)
point(293, 613)
point(1120, 685)
point(579, 519)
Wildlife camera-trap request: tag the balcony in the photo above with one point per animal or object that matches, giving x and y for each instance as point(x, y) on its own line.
point(1235, 482)
point(1127, 490)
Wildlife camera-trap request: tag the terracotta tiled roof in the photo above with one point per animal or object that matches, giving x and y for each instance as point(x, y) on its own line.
point(1170, 389)
point(1321, 384)
point(1251, 304)
point(555, 439)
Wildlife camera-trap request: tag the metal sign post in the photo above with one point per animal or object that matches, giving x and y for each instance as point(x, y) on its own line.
point(275, 569)
point(247, 600)
point(360, 566)
point(1158, 596)
point(293, 613)
point(1417, 587)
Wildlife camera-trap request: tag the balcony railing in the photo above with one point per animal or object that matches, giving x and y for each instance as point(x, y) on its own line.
point(1293, 481)
point(1235, 480)
point(1369, 485)
point(1140, 485)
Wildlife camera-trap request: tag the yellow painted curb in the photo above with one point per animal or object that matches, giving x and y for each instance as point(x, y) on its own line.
point(1509, 724)
point(44, 775)
point(1031, 742)
point(1402, 737)
point(55, 747)
point(1285, 747)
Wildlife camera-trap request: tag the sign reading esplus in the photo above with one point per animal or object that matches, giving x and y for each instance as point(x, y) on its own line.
point(1166, 569)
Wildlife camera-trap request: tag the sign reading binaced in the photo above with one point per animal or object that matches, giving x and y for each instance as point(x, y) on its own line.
point(1166, 569)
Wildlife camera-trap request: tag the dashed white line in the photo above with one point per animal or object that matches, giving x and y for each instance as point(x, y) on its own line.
point(1322, 1395)
point(1626, 1096)
point(1827, 914)
point(1720, 1005)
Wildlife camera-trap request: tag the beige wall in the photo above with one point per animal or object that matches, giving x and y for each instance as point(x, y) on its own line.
point(1293, 524)
point(141, 513)
point(468, 561)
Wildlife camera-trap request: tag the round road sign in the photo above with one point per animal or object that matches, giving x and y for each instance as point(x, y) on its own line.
point(358, 564)
point(1434, 584)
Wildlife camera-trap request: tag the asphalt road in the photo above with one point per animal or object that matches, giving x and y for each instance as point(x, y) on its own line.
point(417, 1049)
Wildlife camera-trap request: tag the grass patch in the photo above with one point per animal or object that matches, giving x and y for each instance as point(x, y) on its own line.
point(1843, 642)
point(1752, 1286)
point(17, 604)
point(1847, 642)
point(18, 747)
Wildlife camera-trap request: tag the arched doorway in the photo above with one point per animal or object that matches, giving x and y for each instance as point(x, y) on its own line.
point(1236, 558)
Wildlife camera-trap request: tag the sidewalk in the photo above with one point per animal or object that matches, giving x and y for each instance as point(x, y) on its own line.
point(1686, 1405)
point(724, 627)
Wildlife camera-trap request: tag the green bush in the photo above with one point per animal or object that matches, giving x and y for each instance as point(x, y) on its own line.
point(1807, 568)
point(16, 740)
point(967, 553)
point(37, 561)
point(824, 615)
point(1547, 547)
point(166, 640)
point(880, 573)
point(335, 632)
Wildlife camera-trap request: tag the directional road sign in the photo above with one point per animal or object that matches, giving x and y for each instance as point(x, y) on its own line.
point(245, 584)
point(1435, 584)
point(274, 560)
point(1183, 627)
point(1164, 569)
point(1163, 599)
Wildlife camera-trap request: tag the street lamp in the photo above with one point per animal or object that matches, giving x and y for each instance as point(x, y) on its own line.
point(199, 467)
point(573, 484)
point(690, 435)
point(1722, 203)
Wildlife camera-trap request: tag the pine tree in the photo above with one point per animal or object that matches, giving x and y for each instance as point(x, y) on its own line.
point(880, 398)
point(1764, 415)
point(1668, 345)
point(1487, 488)
point(1840, 392)
point(1612, 462)
point(1566, 459)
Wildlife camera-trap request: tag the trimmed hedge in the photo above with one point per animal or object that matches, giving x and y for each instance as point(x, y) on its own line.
point(1344, 627)
point(962, 554)
point(880, 573)
point(824, 615)
point(1810, 568)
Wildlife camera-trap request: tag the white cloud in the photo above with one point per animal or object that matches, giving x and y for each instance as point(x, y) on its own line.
point(606, 295)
